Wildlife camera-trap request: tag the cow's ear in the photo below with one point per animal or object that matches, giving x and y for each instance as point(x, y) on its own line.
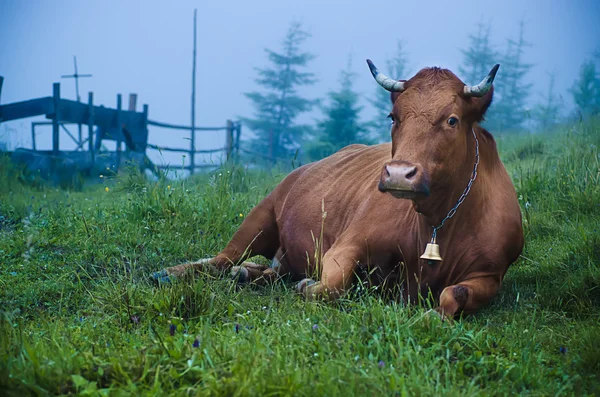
point(481, 105)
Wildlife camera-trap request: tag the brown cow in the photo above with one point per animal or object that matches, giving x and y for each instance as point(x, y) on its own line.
point(439, 180)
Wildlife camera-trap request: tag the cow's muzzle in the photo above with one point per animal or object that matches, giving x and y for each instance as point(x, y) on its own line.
point(403, 180)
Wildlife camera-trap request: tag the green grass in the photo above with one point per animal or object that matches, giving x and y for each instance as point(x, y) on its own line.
point(79, 316)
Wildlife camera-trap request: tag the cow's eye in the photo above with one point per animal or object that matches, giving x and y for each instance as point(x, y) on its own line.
point(452, 121)
point(391, 117)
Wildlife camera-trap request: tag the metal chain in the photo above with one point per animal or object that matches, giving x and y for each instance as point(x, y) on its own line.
point(463, 196)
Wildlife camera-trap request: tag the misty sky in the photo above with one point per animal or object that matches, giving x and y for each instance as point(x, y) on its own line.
point(146, 47)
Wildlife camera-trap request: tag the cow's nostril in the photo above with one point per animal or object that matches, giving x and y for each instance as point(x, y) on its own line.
point(387, 171)
point(411, 173)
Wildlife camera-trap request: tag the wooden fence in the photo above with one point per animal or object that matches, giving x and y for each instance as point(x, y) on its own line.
point(127, 127)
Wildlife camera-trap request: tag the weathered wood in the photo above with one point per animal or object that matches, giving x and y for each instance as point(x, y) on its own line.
point(33, 136)
point(238, 136)
point(55, 118)
point(69, 134)
point(229, 140)
point(31, 108)
point(120, 131)
point(184, 127)
point(90, 123)
point(168, 149)
point(193, 131)
point(144, 130)
point(187, 167)
point(132, 102)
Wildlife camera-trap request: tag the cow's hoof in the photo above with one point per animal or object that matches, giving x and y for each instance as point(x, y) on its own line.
point(161, 277)
point(302, 285)
point(240, 274)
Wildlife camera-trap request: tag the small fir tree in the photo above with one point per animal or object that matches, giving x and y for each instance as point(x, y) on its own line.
point(279, 104)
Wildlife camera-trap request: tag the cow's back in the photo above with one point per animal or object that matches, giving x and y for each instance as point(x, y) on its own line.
point(325, 195)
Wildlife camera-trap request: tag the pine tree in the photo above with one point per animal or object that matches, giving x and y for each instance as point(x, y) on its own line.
point(341, 125)
point(509, 112)
point(479, 58)
point(586, 90)
point(276, 108)
point(548, 112)
point(396, 68)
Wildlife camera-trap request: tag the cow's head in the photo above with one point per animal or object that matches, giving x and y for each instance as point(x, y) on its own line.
point(432, 143)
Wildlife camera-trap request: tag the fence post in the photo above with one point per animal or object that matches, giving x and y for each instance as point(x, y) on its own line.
point(132, 102)
point(145, 124)
point(119, 131)
point(229, 140)
point(91, 128)
point(33, 136)
point(238, 136)
point(55, 119)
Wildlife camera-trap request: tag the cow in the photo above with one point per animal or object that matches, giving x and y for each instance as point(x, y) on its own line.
point(439, 186)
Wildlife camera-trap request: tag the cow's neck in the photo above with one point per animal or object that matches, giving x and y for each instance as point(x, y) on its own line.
point(436, 208)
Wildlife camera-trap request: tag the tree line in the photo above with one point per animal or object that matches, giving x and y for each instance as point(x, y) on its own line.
point(277, 106)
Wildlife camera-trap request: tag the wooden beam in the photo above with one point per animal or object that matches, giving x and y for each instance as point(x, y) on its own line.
point(168, 149)
point(184, 127)
point(55, 118)
point(24, 109)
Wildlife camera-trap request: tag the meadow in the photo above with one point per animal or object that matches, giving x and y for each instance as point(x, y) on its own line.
point(79, 315)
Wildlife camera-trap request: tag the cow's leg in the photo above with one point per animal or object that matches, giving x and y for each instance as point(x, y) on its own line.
point(467, 296)
point(249, 272)
point(337, 274)
point(257, 235)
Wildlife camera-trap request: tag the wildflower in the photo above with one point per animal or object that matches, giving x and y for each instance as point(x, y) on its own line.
point(101, 176)
point(13, 273)
point(106, 189)
point(196, 343)
point(381, 364)
point(563, 350)
point(315, 327)
point(241, 215)
point(237, 328)
point(169, 187)
point(172, 329)
point(135, 319)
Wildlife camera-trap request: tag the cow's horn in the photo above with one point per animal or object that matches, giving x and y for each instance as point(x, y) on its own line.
point(384, 81)
point(482, 88)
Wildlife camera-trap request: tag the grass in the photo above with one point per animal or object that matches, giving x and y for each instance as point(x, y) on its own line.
point(78, 315)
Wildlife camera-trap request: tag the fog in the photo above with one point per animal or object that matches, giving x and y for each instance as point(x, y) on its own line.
point(145, 47)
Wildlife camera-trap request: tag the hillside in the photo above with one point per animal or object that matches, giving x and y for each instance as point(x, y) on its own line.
point(79, 315)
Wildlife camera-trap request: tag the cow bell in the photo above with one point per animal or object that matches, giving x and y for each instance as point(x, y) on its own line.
point(432, 253)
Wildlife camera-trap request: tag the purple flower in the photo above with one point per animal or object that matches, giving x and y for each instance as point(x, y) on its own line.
point(563, 350)
point(196, 343)
point(381, 364)
point(135, 319)
point(315, 327)
point(172, 329)
point(237, 328)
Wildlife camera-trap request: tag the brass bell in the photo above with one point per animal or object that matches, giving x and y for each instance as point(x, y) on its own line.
point(432, 252)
